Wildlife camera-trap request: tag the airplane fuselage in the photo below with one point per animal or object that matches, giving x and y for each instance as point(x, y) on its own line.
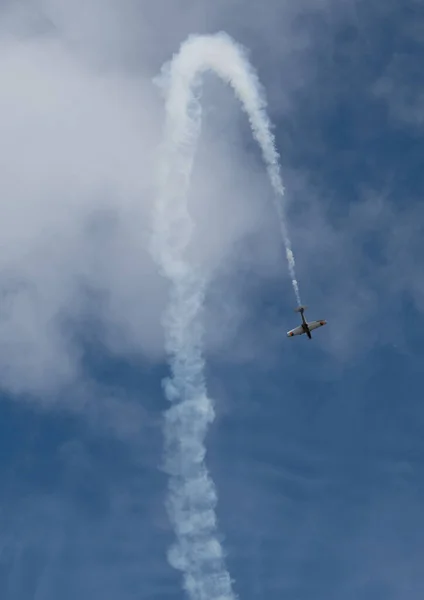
point(305, 326)
point(306, 330)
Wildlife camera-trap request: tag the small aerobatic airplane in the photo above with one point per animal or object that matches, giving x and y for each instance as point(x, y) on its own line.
point(305, 327)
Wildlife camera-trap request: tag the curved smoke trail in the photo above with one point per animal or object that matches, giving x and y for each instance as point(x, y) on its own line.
point(192, 497)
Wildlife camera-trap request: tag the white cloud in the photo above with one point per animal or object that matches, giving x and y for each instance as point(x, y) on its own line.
point(80, 123)
point(74, 143)
point(79, 145)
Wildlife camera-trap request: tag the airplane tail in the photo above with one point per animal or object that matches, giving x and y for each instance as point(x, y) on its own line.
point(300, 309)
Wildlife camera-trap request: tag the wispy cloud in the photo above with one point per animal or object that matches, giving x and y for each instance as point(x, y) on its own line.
point(81, 120)
point(77, 162)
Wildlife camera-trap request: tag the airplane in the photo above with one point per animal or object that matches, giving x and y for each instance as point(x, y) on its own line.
point(305, 327)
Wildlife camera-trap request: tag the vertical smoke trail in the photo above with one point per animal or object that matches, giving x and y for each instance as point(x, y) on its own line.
point(192, 496)
point(227, 59)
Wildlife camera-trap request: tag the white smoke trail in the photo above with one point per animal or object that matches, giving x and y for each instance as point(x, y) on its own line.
point(227, 59)
point(192, 495)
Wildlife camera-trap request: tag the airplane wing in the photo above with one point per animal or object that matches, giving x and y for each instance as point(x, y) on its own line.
point(315, 324)
point(295, 331)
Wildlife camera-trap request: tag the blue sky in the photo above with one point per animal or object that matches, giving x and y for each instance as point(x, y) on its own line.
point(316, 450)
